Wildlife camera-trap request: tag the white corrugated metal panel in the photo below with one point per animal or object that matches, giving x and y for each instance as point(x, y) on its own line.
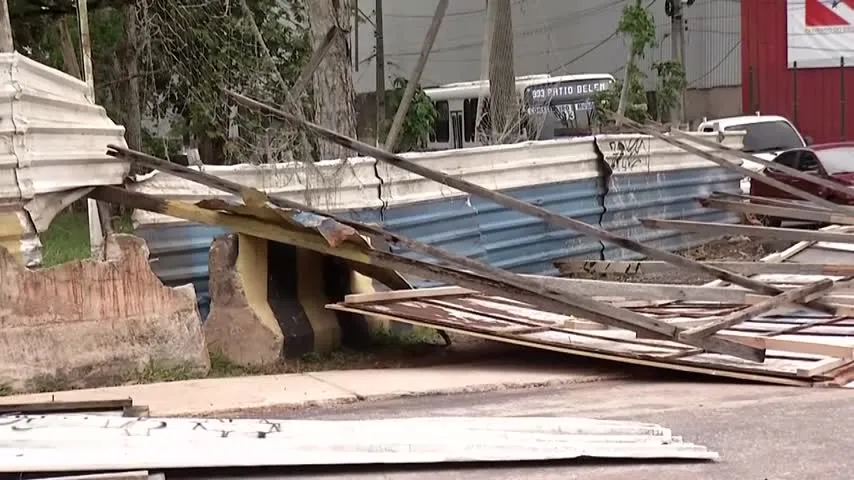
point(52, 139)
point(77, 442)
point(356, 184)
point(331, 185)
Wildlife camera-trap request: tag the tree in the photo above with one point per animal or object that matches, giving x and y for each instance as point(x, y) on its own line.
point(504, 113)
point(334, 94)
point(419, 121)
point(637, 24)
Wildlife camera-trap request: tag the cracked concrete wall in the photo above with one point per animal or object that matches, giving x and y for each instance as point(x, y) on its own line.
point(88, 323)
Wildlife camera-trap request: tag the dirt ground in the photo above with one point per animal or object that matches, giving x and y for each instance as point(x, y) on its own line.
point(738, 248)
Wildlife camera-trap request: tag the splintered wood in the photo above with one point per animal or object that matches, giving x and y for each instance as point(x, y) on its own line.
point(802, 348)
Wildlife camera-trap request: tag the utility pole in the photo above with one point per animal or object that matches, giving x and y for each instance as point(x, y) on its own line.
point(380, 60)
point(677, 38)
point(6, 43)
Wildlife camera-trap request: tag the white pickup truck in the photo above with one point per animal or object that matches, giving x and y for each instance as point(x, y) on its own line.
point(767, 136)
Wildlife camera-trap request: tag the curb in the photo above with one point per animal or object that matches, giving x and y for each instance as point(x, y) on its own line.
point(353, 398)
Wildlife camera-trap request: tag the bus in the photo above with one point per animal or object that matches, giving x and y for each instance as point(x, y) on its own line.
point(553, 107)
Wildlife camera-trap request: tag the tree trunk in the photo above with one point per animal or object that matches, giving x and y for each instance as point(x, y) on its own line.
point(133, 114)
point(334, 94)
point(503, 107)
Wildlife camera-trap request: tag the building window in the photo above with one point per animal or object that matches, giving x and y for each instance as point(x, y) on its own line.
point(442, 128)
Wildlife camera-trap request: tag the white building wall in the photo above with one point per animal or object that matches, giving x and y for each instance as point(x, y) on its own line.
point(557, 36)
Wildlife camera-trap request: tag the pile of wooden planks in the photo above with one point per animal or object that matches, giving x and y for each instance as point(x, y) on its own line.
point(658, 326)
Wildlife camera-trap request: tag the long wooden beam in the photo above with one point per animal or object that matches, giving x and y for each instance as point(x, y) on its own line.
point(728, 164)
point(780, 212)
point(514, 203)
point(792, 234)
point(793, 172)
point(637, 267)
point(741, 316)
point(557, 302)
point(776, 202)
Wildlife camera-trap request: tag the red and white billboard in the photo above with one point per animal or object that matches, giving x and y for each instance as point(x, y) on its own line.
point(820, 32)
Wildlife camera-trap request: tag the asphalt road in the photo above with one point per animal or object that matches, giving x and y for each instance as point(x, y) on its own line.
point(761, 432)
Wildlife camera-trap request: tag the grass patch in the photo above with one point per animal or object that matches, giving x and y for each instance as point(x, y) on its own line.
point(67, 238)
point(386, 350)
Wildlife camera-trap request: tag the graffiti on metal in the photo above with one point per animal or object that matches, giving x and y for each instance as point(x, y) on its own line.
point(629, 155)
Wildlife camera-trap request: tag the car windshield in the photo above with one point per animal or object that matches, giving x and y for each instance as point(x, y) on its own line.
point(837, 160)
point(768, 136)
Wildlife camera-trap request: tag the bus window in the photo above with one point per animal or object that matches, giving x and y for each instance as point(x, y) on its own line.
point(442, 127)
point(469, 114)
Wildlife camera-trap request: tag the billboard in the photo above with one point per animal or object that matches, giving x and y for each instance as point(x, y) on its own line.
point(820, 32)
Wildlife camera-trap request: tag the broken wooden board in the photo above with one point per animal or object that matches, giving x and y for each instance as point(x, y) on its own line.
point(799, 358)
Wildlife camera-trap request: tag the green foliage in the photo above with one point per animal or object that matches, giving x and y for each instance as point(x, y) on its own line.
point(198, 51)
point(420, 120)
point(636, 105)
point(671, 82)
point(188, 51)
point(638, 24)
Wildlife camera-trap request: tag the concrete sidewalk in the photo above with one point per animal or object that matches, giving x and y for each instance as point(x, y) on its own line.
point(224, 395)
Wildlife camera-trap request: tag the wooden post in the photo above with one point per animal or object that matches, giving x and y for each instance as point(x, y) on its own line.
point(415, 78)
point(7, 45)
point(380, 60)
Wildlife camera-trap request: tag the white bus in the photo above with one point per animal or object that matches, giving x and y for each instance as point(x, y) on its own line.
point(559, 106)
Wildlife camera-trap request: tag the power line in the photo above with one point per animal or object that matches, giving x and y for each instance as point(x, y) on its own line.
point(717, 65)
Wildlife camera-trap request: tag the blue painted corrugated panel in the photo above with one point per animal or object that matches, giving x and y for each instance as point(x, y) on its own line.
point(179, 252)
point(179, 255)
point(525, 244)
point(669, 194)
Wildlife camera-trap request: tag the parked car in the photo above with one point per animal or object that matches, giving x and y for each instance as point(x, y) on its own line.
point(833, 161)
point(766, 136)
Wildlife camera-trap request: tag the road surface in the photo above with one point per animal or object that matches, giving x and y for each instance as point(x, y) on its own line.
point(762, 432)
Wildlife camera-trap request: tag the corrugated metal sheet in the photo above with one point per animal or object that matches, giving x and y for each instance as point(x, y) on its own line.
point(560, 175)
point(56, 443)
point(769, 85)
point(52, 139)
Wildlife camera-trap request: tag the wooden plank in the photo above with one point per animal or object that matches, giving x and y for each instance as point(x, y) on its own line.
point(792, 234)
point(81, 406)
point(748, 313)
point(792, 172)
point(728, 164)
point(791, 345)
point(502, 283)
point(637, 267)
point(776, 202)
point(823, 366)
point(779, 212)
point(772, 377)
point(397, 295)
point(512, 202)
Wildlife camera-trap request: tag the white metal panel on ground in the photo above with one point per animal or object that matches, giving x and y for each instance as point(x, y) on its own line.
point(52, 139)
point(54, 443)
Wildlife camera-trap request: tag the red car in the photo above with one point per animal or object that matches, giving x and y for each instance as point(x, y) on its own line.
point(834, 161)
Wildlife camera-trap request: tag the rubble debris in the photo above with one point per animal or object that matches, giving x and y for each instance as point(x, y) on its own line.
point(89, 322)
